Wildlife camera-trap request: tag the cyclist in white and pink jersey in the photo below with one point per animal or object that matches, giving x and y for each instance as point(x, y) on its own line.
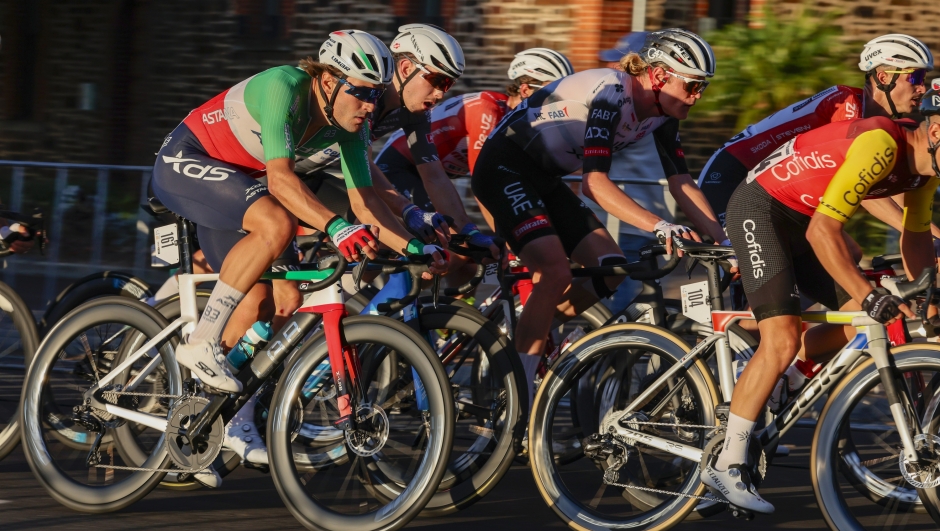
point(459, 127)
point(895, 67)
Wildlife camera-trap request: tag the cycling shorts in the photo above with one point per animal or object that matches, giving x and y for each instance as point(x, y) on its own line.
point(525, 203)
point(404, 176)
point(719, 179)
point(211, 193)
point(777, 262)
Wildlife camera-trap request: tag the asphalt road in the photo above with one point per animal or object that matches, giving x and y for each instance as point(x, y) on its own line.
point(248, 501)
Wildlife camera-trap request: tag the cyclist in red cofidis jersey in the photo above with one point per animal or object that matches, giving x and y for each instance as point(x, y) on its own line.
point(786, 223)
point(574, 124)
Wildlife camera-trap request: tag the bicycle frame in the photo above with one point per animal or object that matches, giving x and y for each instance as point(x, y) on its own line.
point(871, 340)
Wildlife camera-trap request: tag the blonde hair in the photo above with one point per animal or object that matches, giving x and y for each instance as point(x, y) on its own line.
point(316, 69)
point(633, 64)
point(513, 90)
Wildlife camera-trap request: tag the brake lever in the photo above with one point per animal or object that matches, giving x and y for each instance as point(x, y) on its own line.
point(436, 290)
point(358, 271)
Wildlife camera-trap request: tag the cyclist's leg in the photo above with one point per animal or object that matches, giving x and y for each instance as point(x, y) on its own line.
point(287, 298)
point(821, 342)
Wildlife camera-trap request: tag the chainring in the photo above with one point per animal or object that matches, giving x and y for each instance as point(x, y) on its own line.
point(181, 451)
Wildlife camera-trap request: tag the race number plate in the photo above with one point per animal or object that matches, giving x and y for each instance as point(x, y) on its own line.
point(166, 251)
point(491, 277)
point(695, 304)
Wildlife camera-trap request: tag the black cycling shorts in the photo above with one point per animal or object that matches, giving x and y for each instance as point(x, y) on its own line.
point(777, 262)
point(403, 175)
point(720, 179)
point(527, 202)
point(211, 193)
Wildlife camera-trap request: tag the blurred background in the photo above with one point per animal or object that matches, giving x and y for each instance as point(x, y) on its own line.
point(100, 83)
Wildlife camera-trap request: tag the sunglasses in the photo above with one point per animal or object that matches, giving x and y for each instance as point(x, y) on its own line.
point(915, 76)
point(437, 80)
point(366, 94)
point(692, 85)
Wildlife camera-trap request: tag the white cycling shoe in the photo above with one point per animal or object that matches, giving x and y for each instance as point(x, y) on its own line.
point(735, 485)
point(242, 436)
point(207, 362)
point(208, 477)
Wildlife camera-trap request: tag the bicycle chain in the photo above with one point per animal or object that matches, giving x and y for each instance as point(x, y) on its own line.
point(659, 491)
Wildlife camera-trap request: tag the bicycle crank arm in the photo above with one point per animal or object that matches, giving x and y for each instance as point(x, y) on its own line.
point(684, 451)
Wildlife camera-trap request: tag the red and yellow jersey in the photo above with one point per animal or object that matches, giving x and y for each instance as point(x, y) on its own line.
point(831, 169)
point(459, 127)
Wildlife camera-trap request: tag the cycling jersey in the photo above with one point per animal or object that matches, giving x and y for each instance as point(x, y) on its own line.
point(459, 127)
point(263, 117)
point(416, 127)
point(575, 123)
point(833, 168)
point(730, 164)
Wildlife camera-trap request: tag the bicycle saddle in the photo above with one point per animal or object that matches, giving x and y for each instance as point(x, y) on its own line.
point(703, 250)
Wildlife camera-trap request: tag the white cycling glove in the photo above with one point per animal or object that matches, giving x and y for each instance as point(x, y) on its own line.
point(733, 260)
point(665, 230)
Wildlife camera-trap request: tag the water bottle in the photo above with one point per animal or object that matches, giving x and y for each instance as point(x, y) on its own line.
point(255, 338)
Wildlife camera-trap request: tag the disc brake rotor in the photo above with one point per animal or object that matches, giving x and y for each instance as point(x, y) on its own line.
point(925, 475)
point(371, 431)
point(181, 451)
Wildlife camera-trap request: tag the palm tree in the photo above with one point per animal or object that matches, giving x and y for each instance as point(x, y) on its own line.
point(762, 70)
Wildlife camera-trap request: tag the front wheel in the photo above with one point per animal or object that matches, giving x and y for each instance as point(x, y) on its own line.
point(403, 434)
point(18, 342)
point(855, 459)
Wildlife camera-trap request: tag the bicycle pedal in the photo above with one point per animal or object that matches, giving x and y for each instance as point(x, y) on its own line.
point(265, 469)
point(740, 512)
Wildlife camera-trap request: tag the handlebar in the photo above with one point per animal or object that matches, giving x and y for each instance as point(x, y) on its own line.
point(415, 265)
point(477, 255)
point(924, 283)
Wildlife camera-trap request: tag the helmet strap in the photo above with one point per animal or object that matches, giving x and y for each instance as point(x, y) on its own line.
point(932, 148)
point(328, 108)
point(887, 88)
point(657, 87)
point(401, 84)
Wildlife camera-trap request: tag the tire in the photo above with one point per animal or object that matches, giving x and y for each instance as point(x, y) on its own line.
point(855, 439)
point(347, 498)
point(639, 353)
point(18, 342)
point(109, 321)
point(483, 451)
point(104, 284)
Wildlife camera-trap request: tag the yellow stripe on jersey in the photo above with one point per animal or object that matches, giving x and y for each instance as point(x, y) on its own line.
point(870, 158)
point(918, 206)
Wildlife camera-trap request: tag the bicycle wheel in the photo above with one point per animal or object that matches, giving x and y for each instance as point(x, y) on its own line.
point(401, 436)
point(104, 284)
point(857, 434)
point(652, 485)
point(54, 386)
point(485, 376)
point(18, 342)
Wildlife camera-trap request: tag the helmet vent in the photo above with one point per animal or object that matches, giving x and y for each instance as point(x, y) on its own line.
point(446, 69)
point(358, 62)
point(339, 49)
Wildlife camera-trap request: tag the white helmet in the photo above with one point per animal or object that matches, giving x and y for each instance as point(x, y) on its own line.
point(895, 49)
point(358, 55)
point(683, 51)
point(431, 45)
point(543, 64)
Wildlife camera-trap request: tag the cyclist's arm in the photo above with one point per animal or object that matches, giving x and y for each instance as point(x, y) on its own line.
point(840, 201)
point(395, 201)
point(440, 190)
point(287, 188)
point(899, 202)
point(681, 184)
point(916, 241)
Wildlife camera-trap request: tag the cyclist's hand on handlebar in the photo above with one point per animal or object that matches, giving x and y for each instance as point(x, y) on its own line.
point(439, 257)
point(665, 231)
point(18, 238)
point(733, 260)
point(478, 239)
point(353, 241)
point(884, 307)
point(426, 226)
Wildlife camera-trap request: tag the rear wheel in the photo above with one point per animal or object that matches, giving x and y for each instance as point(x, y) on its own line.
point(18, 342)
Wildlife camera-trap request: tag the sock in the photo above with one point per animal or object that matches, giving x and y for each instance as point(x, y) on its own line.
point(168, 289)
point(222, 302)
point(530, 363)
point(736, 442)
point(795, 378)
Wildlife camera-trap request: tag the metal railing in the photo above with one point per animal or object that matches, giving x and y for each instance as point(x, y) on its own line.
point(55, 263)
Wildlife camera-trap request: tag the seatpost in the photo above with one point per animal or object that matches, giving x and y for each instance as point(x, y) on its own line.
point(185, 245)
point(714, 284)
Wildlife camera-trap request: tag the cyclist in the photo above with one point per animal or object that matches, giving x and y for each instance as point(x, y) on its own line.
point(460, 127)
point(207, 168)
point(574, 124)
point(785, 223)
point(895, 67)
point(427, 63)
